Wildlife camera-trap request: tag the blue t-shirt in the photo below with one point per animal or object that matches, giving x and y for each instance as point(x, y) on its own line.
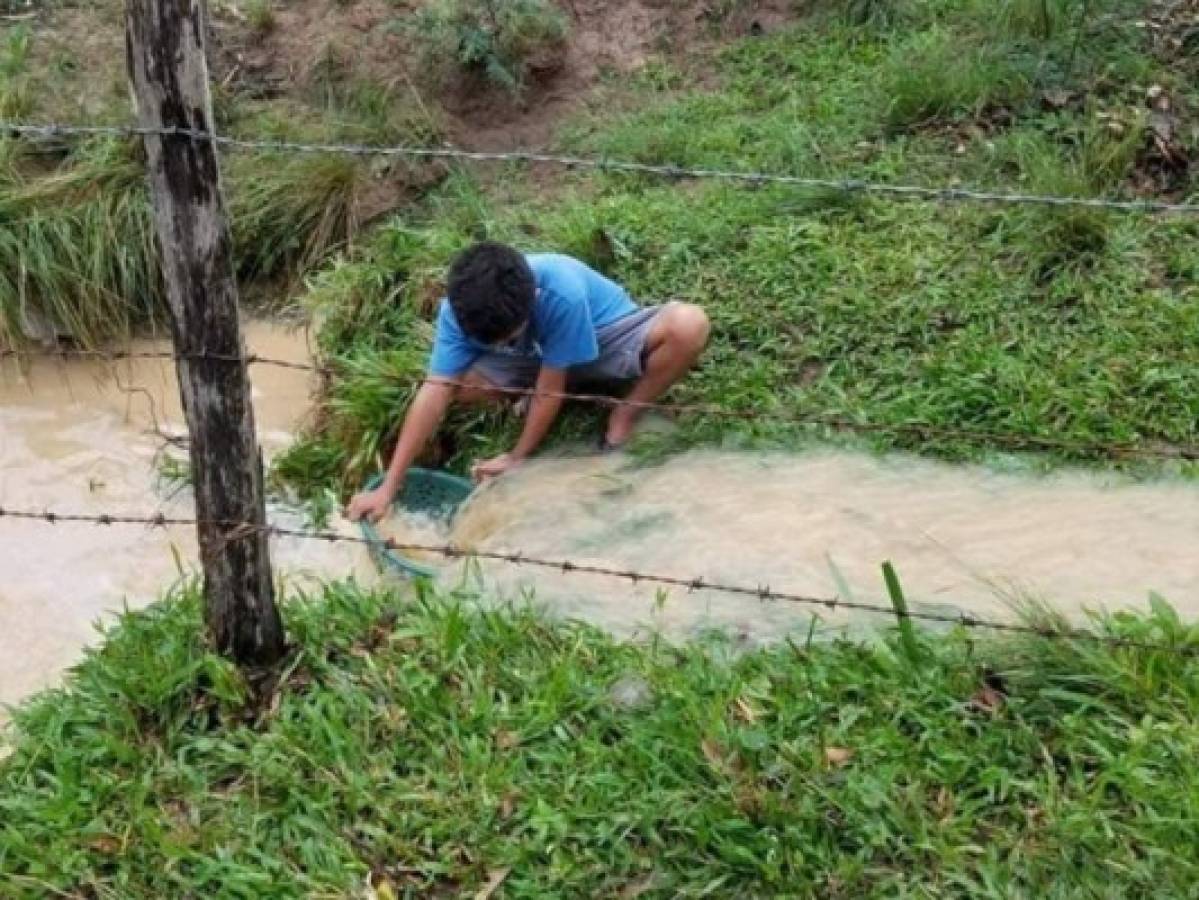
point(573, 300)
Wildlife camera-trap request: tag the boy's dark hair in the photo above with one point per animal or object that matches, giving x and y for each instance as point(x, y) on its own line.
point(491, 291)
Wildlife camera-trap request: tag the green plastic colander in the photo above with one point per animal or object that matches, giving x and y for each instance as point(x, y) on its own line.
point(436, 494)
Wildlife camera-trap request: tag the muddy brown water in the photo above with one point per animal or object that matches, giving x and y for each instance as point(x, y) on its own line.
point(75, 436)
point(821, 524)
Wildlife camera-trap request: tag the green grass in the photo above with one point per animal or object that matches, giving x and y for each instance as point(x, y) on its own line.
point(933, 78)
point(950, 316)
point(261, 16)
point(1068, 324)
point(15, 98)
point(1040, 19)
point(506, 42)
point(334, 101)
point(288, 212)
point(172, 472)
point(77, 247)
point(76, 238)
point(876, 13)
point(433, 743)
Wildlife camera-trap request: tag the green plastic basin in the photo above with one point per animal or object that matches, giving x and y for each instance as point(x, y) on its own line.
point(435, 494)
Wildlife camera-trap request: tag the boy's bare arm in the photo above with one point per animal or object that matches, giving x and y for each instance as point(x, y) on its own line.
point(422, 419)
point(543, 410)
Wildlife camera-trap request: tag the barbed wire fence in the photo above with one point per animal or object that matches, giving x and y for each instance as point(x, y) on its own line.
point(762, 592)
point(950, 194)
point(943, 194)
point(1014, 441)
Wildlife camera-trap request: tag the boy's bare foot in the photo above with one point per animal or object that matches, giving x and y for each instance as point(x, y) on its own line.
point(606, 447)
point(620, 426)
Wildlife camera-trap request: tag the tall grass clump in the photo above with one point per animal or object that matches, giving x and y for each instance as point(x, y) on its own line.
point(505, 41)
point(78, 256)
point(77, 248)
point(872, 13)
point(938, 76)
point(1087, 160)
point(1039, 19)
point(354, 106)
point(289, 212)
point(16, 94)
point(1077, 44)
point(261, 17)
point(11, 153)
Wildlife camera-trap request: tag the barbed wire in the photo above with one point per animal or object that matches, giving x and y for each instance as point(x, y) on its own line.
point(1115, 450)
point(950, 194)
point(946, 194)
point(236, 530)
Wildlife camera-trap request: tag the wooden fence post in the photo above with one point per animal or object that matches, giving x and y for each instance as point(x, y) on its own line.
point(164, 44)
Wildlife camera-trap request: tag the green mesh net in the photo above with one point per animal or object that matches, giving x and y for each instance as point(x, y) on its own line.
point(432, 493)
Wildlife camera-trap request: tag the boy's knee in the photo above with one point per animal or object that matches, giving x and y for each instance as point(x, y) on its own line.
point(690, 326)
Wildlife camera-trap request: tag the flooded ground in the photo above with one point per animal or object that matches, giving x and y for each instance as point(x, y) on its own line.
point(961, 538)
point(78, 436)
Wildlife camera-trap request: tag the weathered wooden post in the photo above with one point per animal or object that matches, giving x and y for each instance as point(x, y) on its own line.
point(164, 42)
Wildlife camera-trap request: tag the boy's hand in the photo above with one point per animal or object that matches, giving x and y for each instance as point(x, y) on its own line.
point(372, 505)
point(492, 468)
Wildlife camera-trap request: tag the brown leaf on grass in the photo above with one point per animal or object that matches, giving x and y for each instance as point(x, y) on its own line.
point(744, 712)
point(636, 888)
point(987, 700)
point(713, 753)
point(1057, 99)
point(508, 805)
point(943, 804)
point(377, 635)
point(176, 810)
point(837, 756)
point(272, 705)
point(750, 799)
point(382, 890)
point(1035, 816)
point(494, 879)
point(462, 853)
point(396, 717)
point(108, 844)
point(810, 371)
point(506, 740)
point(722, 760)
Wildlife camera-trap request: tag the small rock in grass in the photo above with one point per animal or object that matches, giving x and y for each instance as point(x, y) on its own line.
point(631, 692)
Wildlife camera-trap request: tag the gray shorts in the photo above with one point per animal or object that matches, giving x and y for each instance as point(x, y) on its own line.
point(621, 357)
